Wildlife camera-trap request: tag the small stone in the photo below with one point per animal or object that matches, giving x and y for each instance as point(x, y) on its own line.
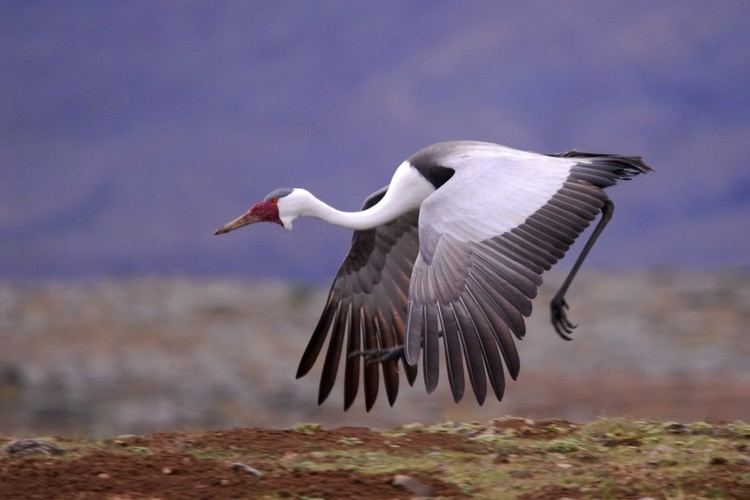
point(166, 470)
point(521, 474)
point(415, 426)
point(412, 485)
point(587, 457)
point(718, 461)
point(662, 448)
point(103, 475)
point(675, 428)
point(224, 482)
point(307, 428)
point(647, 498)
point(240, 467)
point(31, 447)
point(565, 466)
point(661, 462)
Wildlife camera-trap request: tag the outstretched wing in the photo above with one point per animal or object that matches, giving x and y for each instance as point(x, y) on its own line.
point(367, 304)
point(486, 237)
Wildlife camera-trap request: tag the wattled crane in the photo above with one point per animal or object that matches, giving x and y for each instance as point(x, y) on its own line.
point(454, 249)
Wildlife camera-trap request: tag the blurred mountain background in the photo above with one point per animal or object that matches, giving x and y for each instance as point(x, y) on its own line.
point(130, 130)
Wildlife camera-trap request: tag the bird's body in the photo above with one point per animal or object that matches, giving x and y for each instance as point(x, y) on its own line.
point(453, 249)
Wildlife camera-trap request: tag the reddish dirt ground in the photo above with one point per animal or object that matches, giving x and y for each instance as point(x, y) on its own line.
point(507, 458)
point(171, 469)
point(169, 475)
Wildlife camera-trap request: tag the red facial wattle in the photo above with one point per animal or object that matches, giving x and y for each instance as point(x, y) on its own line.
point(267, 211)
point(263, 211)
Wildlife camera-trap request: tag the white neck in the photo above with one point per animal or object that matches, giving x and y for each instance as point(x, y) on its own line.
point(377, 215)
point(406, 192)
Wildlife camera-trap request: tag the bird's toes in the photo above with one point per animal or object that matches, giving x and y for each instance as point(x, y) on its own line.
point(565, 335)
point(354, 354)
point(367, 354)
point(559, 330)
point(570, 326)
point(372, 356)
point(563, 326)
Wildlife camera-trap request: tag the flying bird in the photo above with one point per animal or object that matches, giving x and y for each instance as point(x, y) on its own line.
point(451, 252)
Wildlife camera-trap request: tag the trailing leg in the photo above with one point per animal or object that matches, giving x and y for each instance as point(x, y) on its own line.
point(558, 306)
point(384, 354)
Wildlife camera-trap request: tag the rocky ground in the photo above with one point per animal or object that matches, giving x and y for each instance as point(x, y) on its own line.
point(113, 357)
point(503, 458)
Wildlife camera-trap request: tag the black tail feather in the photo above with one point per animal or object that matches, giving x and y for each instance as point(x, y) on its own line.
point(608, 168)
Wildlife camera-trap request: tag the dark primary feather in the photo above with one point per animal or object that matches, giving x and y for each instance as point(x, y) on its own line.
point(367, 306)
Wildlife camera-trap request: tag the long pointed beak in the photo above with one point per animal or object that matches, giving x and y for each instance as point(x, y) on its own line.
point(242, 220)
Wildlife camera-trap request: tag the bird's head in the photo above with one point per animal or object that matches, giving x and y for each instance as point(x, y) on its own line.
point(280, 206)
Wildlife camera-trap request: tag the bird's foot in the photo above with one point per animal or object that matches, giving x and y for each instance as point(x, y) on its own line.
point(379, 355)
point(560, 320)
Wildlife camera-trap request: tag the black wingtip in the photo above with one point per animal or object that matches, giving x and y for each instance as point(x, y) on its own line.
point(350, 397)
point(323, 391)
point(391, 391)
point(411, 373)
point(499, 391)
point(369, 403)
point(514, 369)
point(301, 372)
point(457, 395)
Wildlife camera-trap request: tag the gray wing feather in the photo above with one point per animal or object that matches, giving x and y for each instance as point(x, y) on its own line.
point(486, 237)
point(366, 309)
